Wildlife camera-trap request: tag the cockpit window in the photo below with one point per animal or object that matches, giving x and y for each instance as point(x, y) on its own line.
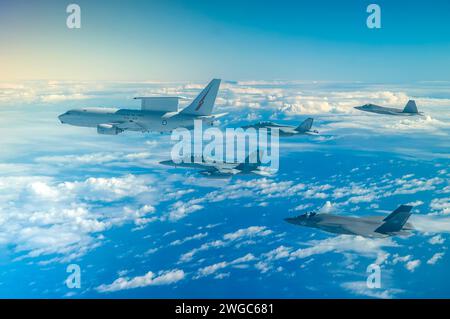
point(309, 214)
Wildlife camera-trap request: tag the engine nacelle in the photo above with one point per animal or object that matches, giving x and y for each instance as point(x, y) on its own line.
point(108, 129)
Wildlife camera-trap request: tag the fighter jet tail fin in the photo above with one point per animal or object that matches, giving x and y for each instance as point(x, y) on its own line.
point(305, 126)
point(204, 103)
point(411, 107)
point(395, 221)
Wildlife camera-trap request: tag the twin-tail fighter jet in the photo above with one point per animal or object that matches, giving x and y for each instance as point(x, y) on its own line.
point(409, 110)
point(286, 130)
point(157, 114)
point(395, 224)
point(213, 169)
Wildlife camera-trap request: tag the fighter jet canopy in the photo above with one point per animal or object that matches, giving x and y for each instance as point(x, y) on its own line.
point(309, 214)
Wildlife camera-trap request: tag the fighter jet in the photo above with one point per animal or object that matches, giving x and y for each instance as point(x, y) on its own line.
point(211, 168)
point(286, 130)
point(157, 114)
point(409, 110)
point(371, 227)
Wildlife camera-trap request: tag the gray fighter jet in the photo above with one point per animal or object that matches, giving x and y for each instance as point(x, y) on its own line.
point(211, 168)
point(372, 226)
point(409, 110)
point(286, 130)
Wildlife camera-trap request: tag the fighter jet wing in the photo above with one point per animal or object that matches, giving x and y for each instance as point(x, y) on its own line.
point(266, 125)
point(361, 229)
point(287, 130)
point(219, 171)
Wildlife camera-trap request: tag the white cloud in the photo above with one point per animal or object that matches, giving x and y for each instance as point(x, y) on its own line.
point(302, 207)
point(360, 288)
point(441, 206)
point(397, 258)
point(412, 265)
point(262, 189)
point(415, 203)
point(248, 232)
point(436, 240)
point(189, 238)
point(436, 257)
point(425, 123)
point(209, 270)
point(228, 239)
point(431, 223)
point(181, 209)
point(278, 253)
point(327, 208)
point(41, 216)
point(344, 243)
point(149, 279)
point(412, 186)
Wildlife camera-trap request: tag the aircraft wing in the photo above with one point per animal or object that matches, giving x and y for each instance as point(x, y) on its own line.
point(131, 125)
point(361, 229)
point(267, 125)
point(212, 116)
point(115, 128)
point(219, 171)
point(287, 130)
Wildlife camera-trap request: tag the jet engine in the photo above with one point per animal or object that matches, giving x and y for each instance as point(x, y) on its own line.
point(108, 129)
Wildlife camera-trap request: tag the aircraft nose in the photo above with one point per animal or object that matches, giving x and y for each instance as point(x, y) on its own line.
point(61, 118)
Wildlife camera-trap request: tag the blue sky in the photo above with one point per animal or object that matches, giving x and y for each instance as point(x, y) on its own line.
point(194, 40)
point(142, 230)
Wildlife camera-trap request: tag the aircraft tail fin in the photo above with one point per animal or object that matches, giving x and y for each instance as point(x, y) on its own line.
point(411, 107)
point(395, 221)
point(305, 126)
point(204, 102)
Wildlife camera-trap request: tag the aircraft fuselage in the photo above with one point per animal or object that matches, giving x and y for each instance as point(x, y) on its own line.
point(139, 120)
point(372, 108)
point(346, 225)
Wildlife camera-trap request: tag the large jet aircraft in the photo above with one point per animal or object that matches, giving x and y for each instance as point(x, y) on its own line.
point(372, 227)
point(157, 114)
point(210, 168)
point(409, 110)
point(286, 130)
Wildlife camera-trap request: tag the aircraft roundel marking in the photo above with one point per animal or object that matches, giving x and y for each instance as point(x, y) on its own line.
point(200, 103)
